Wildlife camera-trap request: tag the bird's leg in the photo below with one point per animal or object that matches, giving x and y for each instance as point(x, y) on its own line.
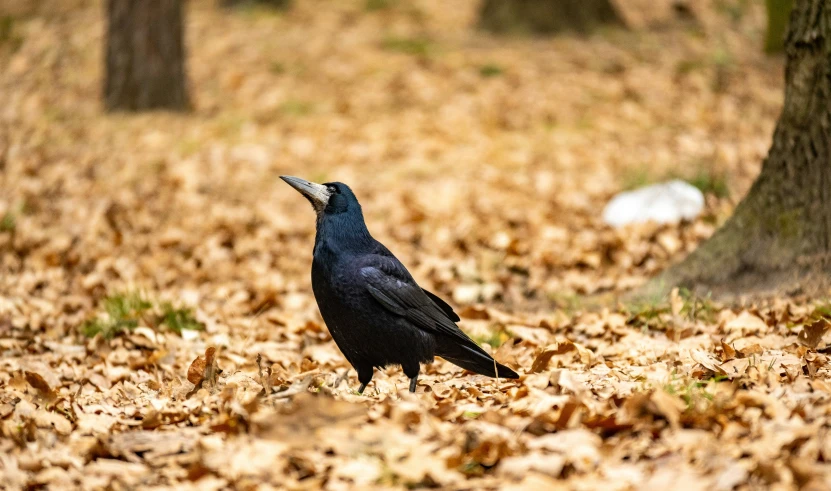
point(411, 371)
point(364, 377)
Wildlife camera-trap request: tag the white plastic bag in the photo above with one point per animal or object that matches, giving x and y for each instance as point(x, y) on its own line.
point(667, 202)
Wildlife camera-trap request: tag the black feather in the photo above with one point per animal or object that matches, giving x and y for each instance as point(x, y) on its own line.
point(448, 310)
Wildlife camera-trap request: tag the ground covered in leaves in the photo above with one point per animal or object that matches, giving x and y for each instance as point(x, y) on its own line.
point(157, 325)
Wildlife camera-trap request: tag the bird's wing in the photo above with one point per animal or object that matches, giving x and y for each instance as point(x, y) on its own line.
point(400, 295)
point(448, 310)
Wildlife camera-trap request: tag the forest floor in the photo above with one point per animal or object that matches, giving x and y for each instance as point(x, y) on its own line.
point(133, 245)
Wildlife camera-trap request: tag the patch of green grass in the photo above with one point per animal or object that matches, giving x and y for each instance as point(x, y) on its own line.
point(694, 393)
point(496, 338)
point(8, 34)
point(9, 222)
point(735, 10)
point(254, 9)
point(126, 305)
point(375, 5)
point(647, 312)
point(471, 468)
point(697, 308)
point(471, 414)
point(710, 183)
point(296, 108)
point(636, 178)
point(650, 310)
point(91, 327)
point(584, 123)
point(6, 28)
point(822, 311)
point(410, 46)
point(230, 124)
point(649, 306)
point(723, 63)
point(722, 57)
point(124, 311)
point(707, 181)
point(568, 302)
point(179, 319)
point(320, 177)
point(277, 68)
point(490, 70)
point(687, 66)
point(189, 146)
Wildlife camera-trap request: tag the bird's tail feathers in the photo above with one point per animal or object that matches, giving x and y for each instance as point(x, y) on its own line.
point(472, 358)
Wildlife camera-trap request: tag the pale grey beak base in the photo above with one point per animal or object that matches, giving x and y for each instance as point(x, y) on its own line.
point(317, 194)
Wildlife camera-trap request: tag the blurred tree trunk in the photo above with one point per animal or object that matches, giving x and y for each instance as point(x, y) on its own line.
point(778, 12)
point(779, 238)
point(145, 59)
point(547, 16)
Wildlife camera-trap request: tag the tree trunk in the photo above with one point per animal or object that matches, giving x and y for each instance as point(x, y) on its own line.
point(779, 238)
point(547, 16)
point(145, 59)
point(778, 13)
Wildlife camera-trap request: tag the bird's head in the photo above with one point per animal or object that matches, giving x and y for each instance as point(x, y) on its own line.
point(330, 198)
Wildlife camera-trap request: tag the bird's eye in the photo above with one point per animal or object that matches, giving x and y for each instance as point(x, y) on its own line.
point(334, 190)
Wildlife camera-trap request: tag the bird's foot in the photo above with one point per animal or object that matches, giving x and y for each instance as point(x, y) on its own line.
point(413, 383)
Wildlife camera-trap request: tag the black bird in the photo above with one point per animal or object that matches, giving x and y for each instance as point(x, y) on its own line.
point(376, 312)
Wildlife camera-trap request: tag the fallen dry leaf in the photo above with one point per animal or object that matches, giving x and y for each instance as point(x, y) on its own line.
point(544, 357)
point(196, 371)
point(812, 334)
point(203, 368)
point(746, 323)
point(38, 383)
point(727, 352)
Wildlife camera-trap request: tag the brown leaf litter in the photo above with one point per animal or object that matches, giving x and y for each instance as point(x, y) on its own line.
point(488, 183)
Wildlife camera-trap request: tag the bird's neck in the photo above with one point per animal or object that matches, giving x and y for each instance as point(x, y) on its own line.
point(344, 232)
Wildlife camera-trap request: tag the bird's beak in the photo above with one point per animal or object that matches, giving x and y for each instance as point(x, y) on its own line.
point(317, 194)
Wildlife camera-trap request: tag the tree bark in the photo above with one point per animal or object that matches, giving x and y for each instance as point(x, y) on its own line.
point(779, 238)
point(547, 16)
point(145, 56)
